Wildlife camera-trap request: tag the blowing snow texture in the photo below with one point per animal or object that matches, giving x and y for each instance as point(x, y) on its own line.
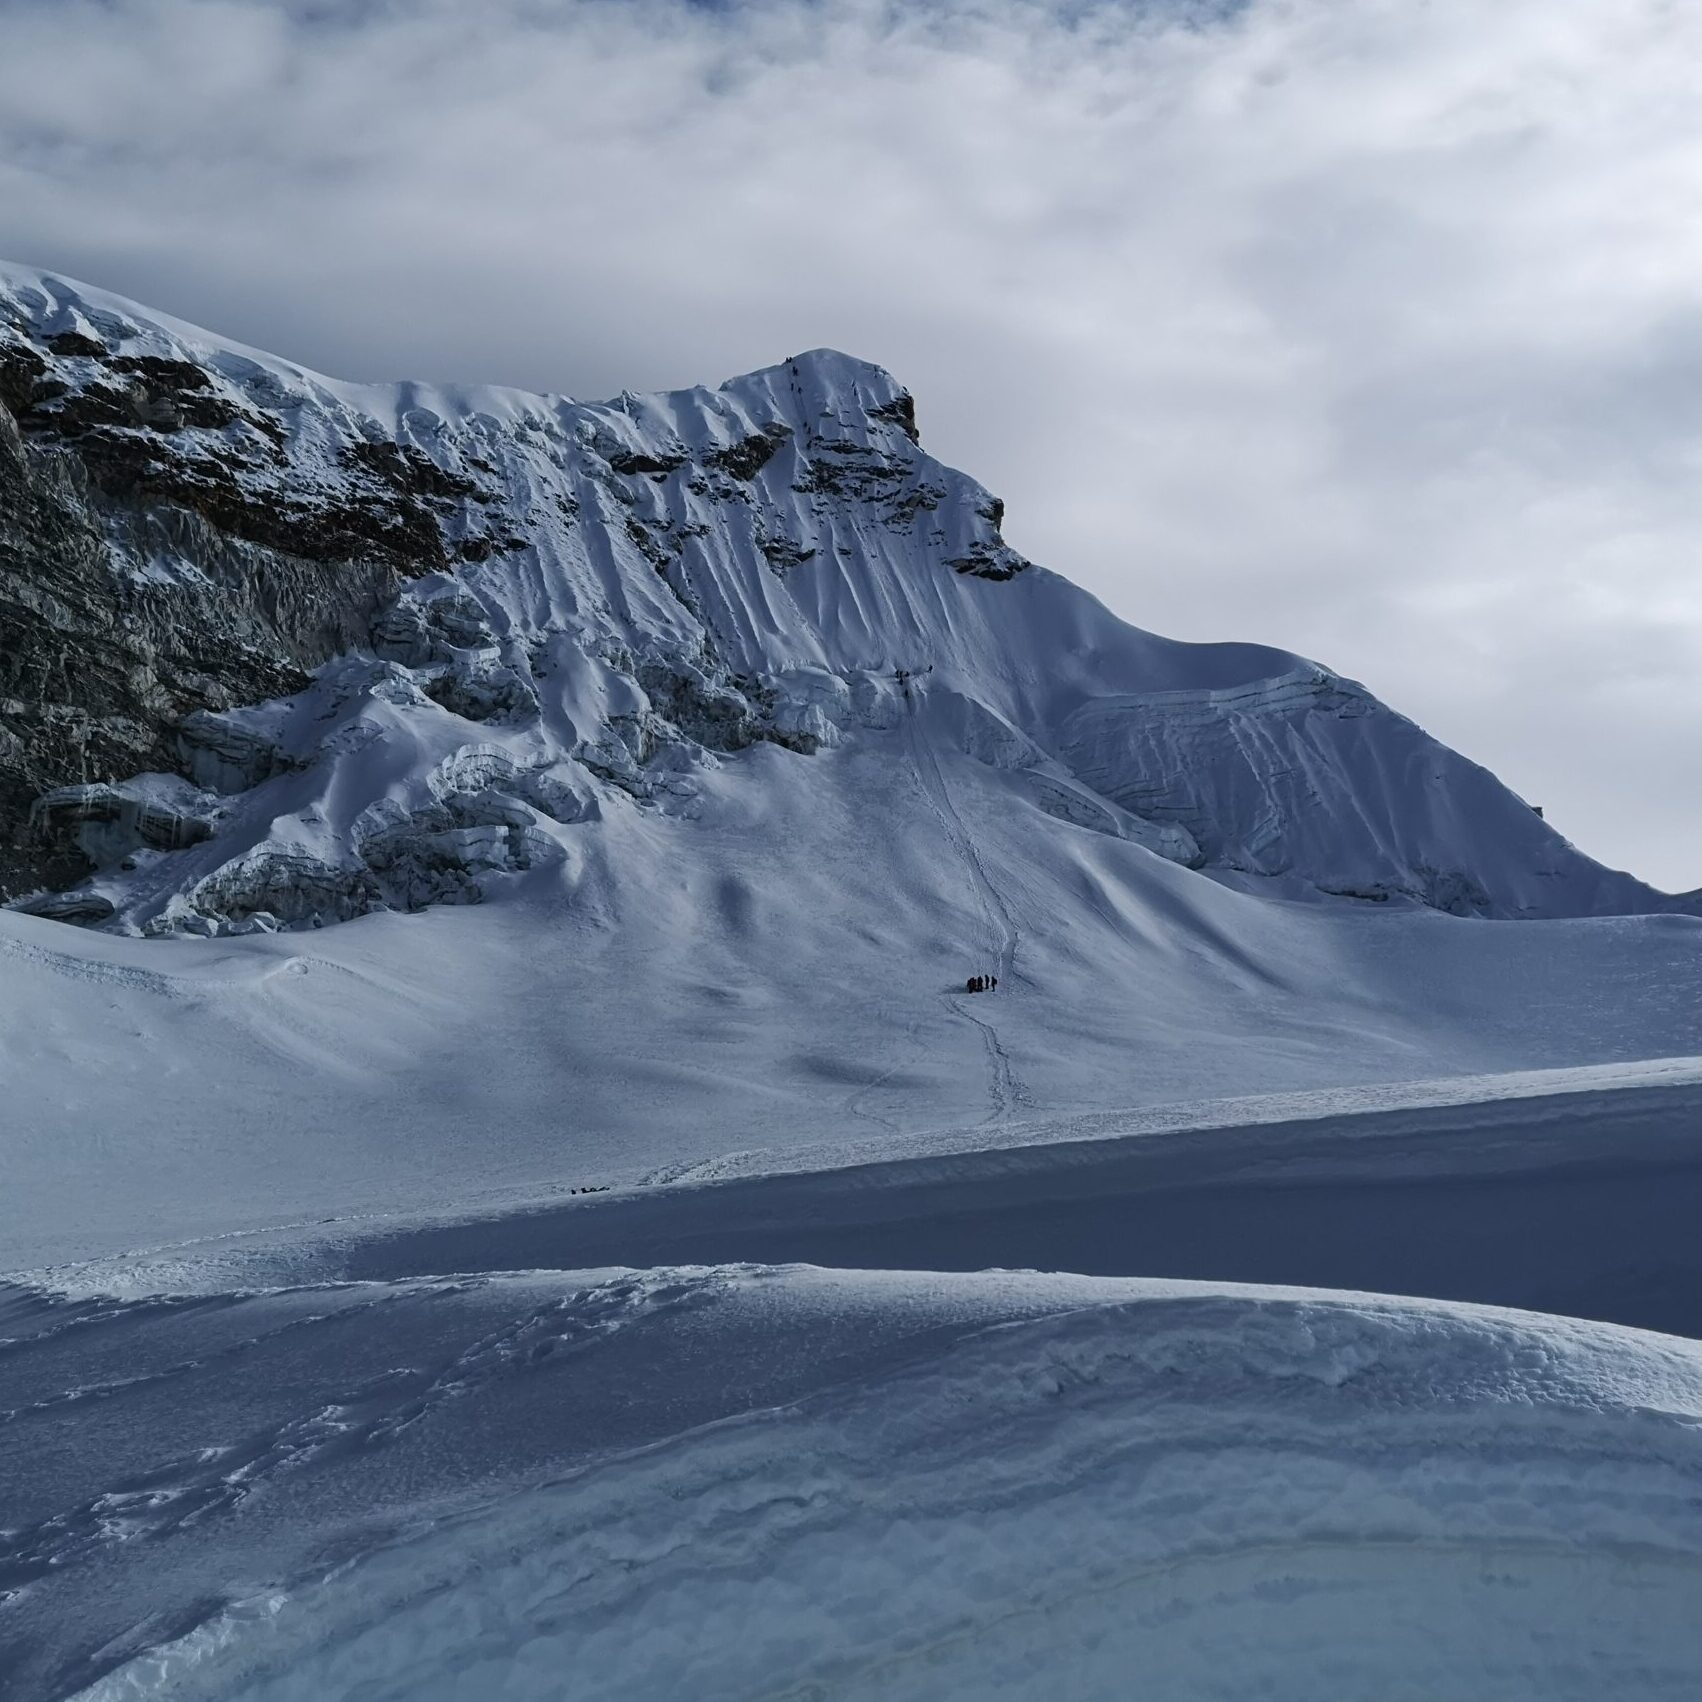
point(758, 1484)
point(522, 612)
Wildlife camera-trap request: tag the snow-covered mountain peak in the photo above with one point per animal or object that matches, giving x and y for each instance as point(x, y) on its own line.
point(383, 645)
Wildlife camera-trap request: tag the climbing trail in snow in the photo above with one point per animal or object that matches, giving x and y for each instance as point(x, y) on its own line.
point(856, 1103)
point(1008, 1092)
point(999, 920)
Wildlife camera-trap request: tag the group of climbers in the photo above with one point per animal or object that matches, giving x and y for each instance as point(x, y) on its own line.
point(982, 983)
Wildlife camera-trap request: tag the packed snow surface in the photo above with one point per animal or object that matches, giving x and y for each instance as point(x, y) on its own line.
point(524, 1204)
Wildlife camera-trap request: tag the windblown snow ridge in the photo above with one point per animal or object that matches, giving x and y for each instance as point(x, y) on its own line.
point(913, 1486)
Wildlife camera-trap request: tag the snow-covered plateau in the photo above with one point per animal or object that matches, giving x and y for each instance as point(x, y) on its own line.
point(505, 1192)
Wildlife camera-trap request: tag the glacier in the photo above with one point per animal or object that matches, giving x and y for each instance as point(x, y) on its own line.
point(506, 1190)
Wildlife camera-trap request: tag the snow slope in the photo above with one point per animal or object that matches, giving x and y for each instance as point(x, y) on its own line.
point(176, 1089)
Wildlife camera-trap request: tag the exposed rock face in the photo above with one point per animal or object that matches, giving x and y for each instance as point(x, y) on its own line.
point(159, 558)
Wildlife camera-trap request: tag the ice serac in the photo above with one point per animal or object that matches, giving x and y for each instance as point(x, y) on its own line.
point(279, 650)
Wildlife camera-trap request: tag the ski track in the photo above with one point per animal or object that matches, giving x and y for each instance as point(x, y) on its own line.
point(854, 1104)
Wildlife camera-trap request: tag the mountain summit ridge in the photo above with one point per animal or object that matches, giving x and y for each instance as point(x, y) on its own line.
point(283, 650)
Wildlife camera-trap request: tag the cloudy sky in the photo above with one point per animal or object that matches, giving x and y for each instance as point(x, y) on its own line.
point(1370, 328)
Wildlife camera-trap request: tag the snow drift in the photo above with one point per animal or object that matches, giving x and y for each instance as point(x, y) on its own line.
point(930, 1487)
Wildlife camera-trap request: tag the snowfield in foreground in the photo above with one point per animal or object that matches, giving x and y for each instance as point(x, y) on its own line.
point(300, 1464)
point(753, 1482)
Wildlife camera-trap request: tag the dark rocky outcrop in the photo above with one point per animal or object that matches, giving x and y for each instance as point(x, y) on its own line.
point(989, 561)
point(746, 458)
point(155, 561)
point(657, 466)
point(901, 412)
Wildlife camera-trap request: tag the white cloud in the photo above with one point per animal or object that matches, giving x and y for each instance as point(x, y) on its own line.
point(1362, 326)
